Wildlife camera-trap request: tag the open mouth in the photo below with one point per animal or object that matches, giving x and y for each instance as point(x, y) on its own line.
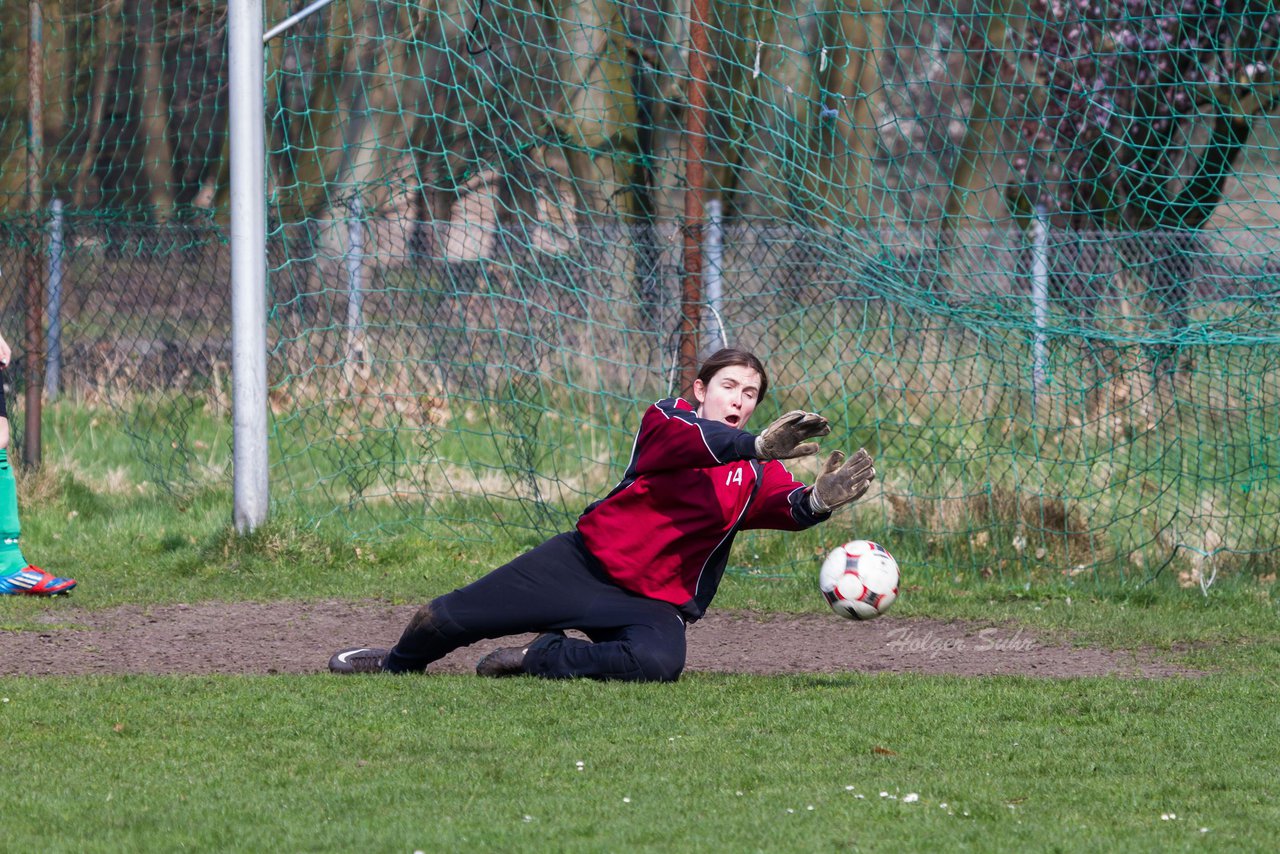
point(732, 420)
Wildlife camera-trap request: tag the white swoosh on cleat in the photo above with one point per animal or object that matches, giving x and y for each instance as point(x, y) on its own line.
point(344, 656)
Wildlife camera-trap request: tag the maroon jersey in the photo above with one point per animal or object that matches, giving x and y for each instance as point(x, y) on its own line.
point(665, 530)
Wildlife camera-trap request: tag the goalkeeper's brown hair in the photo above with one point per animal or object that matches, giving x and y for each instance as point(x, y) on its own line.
point(728, 357)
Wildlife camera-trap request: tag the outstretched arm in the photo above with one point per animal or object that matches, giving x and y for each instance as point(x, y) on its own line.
point(672, 436)
point(782, 503)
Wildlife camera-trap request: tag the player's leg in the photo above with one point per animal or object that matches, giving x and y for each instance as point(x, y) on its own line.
point(632, 639)
point(541, 590)
point(17, 575)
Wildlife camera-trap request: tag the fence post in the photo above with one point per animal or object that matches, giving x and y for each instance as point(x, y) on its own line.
point(715, 268)
point(355, 285)
point(1039, 301)
point(53, 357)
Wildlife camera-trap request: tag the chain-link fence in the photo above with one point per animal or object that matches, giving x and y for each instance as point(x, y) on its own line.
point(1103, 402)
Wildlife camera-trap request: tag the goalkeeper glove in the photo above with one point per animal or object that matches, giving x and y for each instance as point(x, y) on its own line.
point(842, 482)
point(784, 439)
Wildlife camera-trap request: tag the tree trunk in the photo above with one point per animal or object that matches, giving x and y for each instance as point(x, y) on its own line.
point(853, 80)
point(153, 123)
point(108, 35)
point(985, 44)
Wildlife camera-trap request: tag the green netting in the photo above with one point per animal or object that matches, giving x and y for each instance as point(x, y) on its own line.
point(1023, 252)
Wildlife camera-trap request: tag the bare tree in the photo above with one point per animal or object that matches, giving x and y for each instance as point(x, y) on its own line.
point(153, 117)
point(1136, 112)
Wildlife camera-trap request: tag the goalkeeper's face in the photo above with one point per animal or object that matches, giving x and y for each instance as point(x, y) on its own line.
point(730, 396)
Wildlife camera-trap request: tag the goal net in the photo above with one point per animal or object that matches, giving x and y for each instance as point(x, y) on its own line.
point(1021, 251)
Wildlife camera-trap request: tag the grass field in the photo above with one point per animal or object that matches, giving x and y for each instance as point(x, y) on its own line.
point(714, 762)
point(711, 763)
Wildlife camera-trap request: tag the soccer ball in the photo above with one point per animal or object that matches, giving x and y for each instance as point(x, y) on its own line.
point(859, 580)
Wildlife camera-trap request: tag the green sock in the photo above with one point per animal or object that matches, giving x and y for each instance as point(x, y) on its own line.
point(11, 559)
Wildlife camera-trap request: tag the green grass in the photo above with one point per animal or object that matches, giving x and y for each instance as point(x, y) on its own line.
point(455, 763)
point(711, 763)
point(732, 763)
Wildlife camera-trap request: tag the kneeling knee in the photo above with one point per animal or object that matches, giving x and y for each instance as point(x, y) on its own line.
point(658, 665)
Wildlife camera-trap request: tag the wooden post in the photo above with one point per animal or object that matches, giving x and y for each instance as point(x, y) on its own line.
point(33, 264)
point(694, 203)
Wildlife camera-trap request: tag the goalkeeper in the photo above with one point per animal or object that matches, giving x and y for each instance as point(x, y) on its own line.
point(645, 560)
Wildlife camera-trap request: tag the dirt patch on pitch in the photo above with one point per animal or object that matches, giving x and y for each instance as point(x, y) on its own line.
point(294, 637)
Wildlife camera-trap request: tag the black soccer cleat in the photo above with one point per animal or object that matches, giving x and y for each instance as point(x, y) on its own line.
point(509, 660)
point(358, 659)
point(506, 661)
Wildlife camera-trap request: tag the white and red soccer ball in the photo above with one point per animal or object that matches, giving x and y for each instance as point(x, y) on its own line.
point(859, 580)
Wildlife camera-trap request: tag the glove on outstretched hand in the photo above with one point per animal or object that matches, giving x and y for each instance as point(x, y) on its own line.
point(842, 482)
point(785, 438)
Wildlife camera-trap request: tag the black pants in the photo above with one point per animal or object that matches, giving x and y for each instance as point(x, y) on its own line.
point(556, 586)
